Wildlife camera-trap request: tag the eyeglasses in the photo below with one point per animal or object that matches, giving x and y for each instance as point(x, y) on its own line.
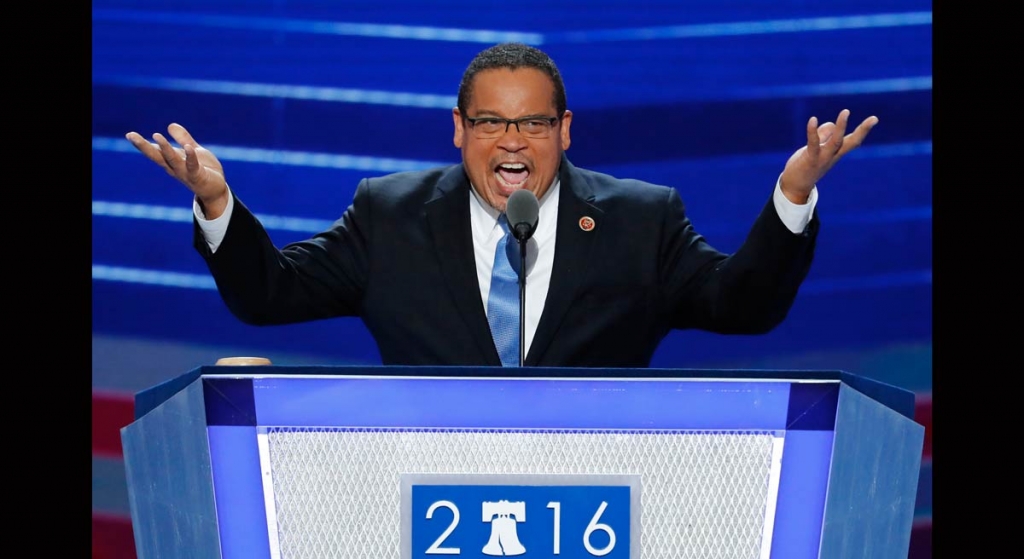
point(535, 127)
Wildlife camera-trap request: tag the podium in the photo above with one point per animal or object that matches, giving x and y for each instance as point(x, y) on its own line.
point(416, 462)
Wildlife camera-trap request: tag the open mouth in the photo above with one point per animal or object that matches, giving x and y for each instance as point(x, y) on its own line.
point(512, 176)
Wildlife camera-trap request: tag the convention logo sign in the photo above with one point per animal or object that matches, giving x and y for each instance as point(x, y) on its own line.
point(530, 516)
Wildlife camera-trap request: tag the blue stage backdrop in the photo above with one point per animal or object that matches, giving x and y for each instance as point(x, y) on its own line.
point(302, 99)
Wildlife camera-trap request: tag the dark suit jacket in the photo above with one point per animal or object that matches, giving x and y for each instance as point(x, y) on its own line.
point(401, 257)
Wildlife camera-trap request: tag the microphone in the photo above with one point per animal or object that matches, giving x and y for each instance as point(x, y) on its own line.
point(522, 212)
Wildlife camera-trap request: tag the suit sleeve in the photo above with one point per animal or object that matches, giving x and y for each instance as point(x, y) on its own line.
point(324, 276)
point(747, 292)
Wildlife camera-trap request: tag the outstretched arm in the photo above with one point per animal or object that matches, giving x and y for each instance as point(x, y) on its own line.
point(752, 290)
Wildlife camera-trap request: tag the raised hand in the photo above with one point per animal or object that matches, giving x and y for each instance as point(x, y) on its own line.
point(193, 165)
point(825, 145)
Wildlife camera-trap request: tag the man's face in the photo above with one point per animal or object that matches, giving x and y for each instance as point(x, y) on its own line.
point(499, 166)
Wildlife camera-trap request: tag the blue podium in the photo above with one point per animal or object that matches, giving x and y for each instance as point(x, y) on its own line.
point(414, 462)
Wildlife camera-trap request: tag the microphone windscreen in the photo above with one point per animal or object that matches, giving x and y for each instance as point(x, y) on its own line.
point(522, 212)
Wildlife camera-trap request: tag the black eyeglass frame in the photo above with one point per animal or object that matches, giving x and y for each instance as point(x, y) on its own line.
point(551, 120)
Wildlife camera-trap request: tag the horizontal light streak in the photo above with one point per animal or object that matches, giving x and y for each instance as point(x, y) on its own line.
point(867, 151)
point(305, 225)
point(861, 283)
point(856, 87)
point(731, 29)
point(811, 286)
point(903, 149)
point(152, 277)
point(181, 214)
point(284, 91)
point(490, 36)
point(893, 215)
point(319, 27)
point(287, 157)
point(447, 102)
point(184, 215)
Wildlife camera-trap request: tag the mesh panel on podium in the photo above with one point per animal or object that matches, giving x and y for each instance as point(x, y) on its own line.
point(336, 491)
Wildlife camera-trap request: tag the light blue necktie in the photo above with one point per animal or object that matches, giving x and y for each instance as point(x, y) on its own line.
point(503, 300)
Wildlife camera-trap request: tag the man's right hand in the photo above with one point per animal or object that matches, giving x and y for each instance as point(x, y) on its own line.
point(195, 166)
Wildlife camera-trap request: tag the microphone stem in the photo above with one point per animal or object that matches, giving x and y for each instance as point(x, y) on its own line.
point(522, 302)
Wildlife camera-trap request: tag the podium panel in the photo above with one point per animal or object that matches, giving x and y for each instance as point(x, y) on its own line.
point(296, 462)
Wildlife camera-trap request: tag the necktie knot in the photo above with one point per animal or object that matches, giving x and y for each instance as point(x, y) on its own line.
point(512, 247)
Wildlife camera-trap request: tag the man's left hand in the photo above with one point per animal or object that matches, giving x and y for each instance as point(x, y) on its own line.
point(825, 145)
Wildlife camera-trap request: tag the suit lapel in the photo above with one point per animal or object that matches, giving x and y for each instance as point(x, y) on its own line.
point(573, 248)
point(448, 215)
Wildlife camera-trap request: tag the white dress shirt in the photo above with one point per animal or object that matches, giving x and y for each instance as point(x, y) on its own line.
point(540, 253)
point(540, 249)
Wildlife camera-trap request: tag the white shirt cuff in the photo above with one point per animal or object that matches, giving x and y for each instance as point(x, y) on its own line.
point(214, 229)
point(795, 216)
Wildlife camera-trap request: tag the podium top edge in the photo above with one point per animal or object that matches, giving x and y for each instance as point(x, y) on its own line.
point(521, 372)
point(899, 399)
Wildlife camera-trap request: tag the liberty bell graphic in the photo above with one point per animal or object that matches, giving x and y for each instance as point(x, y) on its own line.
point(504, 540)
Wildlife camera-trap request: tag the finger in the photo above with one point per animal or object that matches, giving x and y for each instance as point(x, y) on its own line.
point(175, 160)
point(840, 131)
point(181, 135)
point(826, 132)
point(856, 138)
point(844, 117)
point(192, 166)
point(813, 147)
point(149, 149)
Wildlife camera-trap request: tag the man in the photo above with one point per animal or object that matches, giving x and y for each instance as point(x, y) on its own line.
point(613, 265)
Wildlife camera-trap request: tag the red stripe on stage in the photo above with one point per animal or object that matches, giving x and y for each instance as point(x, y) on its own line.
point(112, 537)
point(921, 539)
point(921, 533)
point(923, 415)
point(110, 412)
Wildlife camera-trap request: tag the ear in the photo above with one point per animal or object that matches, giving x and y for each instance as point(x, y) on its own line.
point(564, 136)
point(460, 130)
